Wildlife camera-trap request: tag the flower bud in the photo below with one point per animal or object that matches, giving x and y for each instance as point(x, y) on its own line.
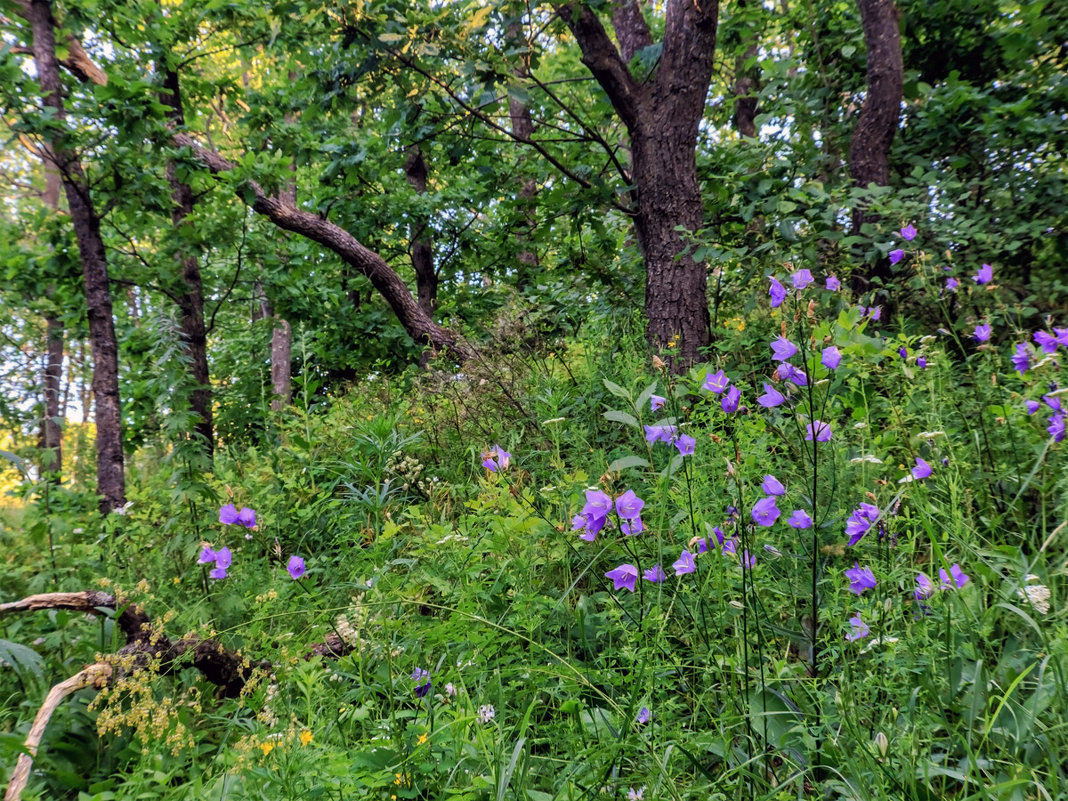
point(881, 743)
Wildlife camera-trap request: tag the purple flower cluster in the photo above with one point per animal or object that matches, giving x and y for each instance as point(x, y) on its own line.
point(861, 521)
point(599, 505)
point(229, 514)
point(422, 681)
point(222, 559)
point(670, 435)
point(954, 578)
point(800, 280)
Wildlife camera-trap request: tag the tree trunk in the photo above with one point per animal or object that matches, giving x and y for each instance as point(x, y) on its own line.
point(191, 297)
point(426, 277)
point(869, 152)
point(109, 468)
point(51, 429)
point(51, 436)
point(281, 364)
point(662, 114)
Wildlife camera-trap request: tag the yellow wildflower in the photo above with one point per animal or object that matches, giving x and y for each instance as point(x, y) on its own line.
point(305, 737)
point(266, 748)
point(422, 739)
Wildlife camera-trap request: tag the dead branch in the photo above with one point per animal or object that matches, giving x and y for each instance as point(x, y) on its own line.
point(96, 675)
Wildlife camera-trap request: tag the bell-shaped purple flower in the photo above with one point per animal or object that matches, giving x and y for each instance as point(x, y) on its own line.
point(628, 505)
point(624, 577)
point(782, 349)
point(772, 485)
point(800, 519)
point(860, 579)
point(716, 382)
point(765, 512)
point(802, 278)
point(655, 574)
point(984, 275)
point(684, 564)
point(729, 402)
point(777, 292)
point(295, 567)
point(831, 358)
point(771, 397)
point(921, 470)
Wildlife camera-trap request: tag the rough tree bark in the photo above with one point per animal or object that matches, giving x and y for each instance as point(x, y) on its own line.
point(661, 114)
point(51, 437)
point(426, 277)
point(385, 280)
point(110, 479)
point(523, 131)
point(191, 297)
point(869, 152)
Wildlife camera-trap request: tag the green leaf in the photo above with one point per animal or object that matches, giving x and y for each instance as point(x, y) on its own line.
point(627, 462)
point(616, 389)
point(621, 417)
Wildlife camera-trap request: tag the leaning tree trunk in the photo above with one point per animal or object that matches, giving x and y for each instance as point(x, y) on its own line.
point(869, 153)
point(383, 278)
point(109, 465)
point(191, 297)
point(662, 113)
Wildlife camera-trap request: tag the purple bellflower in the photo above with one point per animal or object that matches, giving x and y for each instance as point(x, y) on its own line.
point(729, 402)
point(1056, 427)
point(860, 579)
point(1046, 341)
point(802, 278)
point(952, 284)
point(628, 505)
point(982, 332)
point(896, 255)
point(772, 485)
point(790, 373)
point(655, 574)
point(921, 470)
point(782, 349)
point(686, 444)
point(833, 284)
point(954, 578)
point(819, 429)
point(800, 519)
point(777, 292)
point(1021, 359)
point(859, 630)
point(831, 358)
point(765, 512)
point(684, 564)
point(908, 233)
point(1032, 406)
point(496, 459)
point(860, 521)
point(925, 588)
point(656, 402)
point(771, 397)
point(716, 382)
point(624, 577)
point(644, 715)
point(295, 567)
point(984, 275)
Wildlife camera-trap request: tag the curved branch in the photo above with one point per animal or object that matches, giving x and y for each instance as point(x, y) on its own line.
point(96, 675)
point(602, 59)
point(391, 286)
